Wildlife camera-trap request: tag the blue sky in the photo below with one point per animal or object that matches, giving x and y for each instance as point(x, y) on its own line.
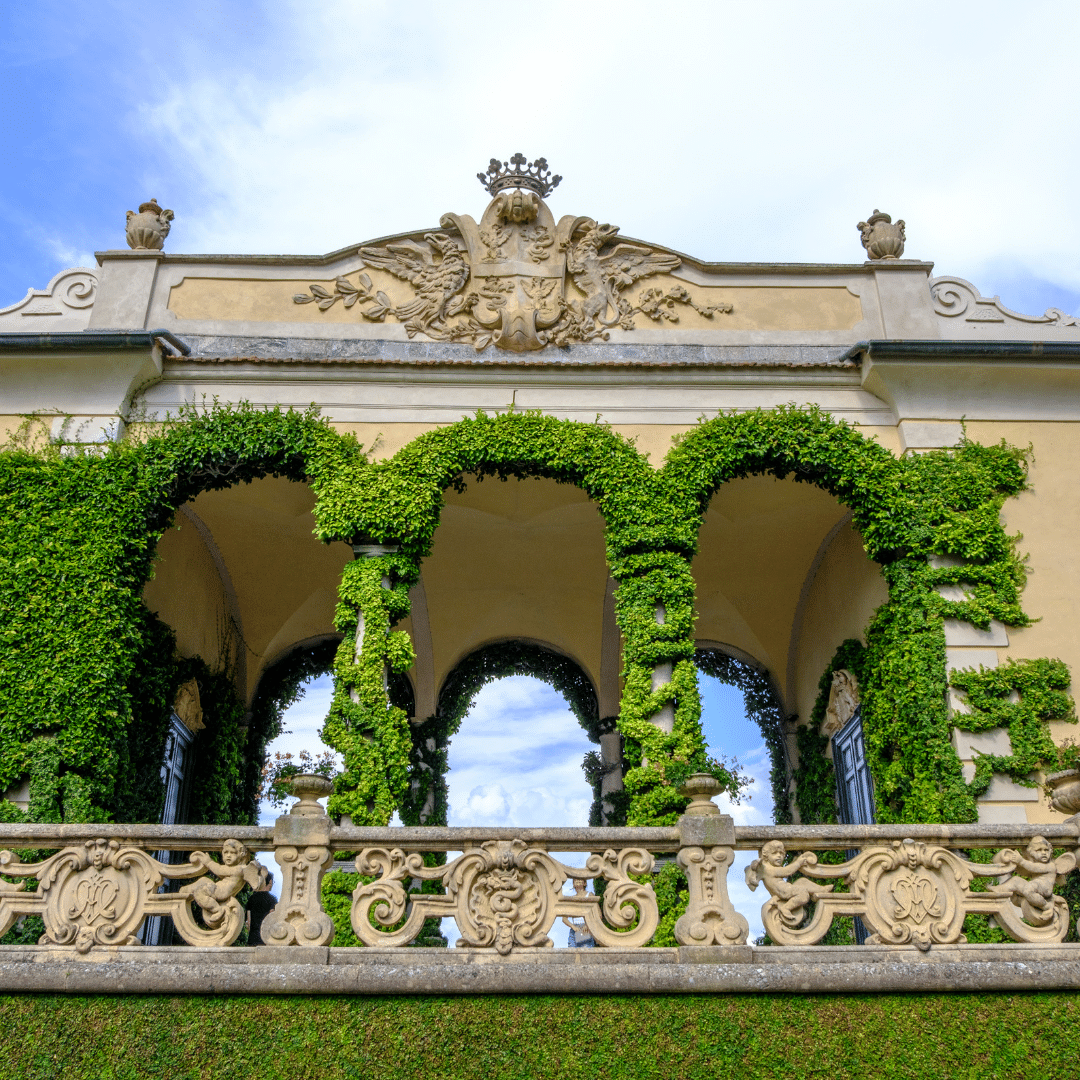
point(741, 131)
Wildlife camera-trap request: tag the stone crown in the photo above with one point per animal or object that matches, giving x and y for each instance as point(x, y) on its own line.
point(534, 175)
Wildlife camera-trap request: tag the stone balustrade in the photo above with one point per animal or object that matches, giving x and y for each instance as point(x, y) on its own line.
point(912, 886)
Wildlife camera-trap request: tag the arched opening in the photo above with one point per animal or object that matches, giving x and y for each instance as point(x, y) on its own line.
point(249, 594)
point(516, 585)
point(782, 577)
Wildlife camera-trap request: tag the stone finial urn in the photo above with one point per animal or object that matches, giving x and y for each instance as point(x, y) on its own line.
point(1065, 791)
point(146, 230)
point(881, 238)
point(309, 788)
point(700, 790)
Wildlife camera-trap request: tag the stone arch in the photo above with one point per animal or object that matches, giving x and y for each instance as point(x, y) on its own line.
point(425, 802)
point(394, 509)
point(892, 510)
point(209, 450)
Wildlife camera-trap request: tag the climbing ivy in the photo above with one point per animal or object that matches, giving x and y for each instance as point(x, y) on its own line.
point(1021, 696)
point(648, 538)
point(87, 675)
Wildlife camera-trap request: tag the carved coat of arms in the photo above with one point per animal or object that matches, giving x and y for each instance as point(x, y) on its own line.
point(504, 281)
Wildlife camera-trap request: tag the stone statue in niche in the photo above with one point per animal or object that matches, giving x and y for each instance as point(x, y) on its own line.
point(146, 230)
point(843, 702)
point(881, 238)
point(188, 706)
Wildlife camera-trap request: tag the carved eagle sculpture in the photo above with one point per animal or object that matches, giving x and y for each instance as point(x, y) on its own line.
point(601, 277)
point(436, 282)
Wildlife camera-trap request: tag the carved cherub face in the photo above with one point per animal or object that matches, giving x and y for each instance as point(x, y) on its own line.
point(232, 852)
point(773, 853)
point(579, 886)
point(1039, 850)
point(96, 850)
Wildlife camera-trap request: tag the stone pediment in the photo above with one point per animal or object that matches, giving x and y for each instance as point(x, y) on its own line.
point(521, 286)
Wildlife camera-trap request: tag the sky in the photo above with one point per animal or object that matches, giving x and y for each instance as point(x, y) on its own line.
point(757, 131)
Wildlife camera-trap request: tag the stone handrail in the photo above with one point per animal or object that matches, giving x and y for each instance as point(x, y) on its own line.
point(910, 884)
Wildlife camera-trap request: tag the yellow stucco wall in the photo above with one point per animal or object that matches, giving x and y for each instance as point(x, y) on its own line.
point(753, 307)
point(846, 590)
point(524, 559)
point(1048, 517)
point(186, 592)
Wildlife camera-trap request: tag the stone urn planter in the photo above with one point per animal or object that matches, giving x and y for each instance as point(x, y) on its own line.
point(146, 230)
point(881, 238)
point(1064, 788)
point(309, 788)
point(701, 789)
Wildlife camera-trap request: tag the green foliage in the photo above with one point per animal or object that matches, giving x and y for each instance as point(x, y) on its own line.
point(967, 1036)
point(1021, 696)
point(87, 675)
point(399, 502)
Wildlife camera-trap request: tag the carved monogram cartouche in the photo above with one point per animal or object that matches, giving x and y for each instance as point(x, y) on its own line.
point(503, 281)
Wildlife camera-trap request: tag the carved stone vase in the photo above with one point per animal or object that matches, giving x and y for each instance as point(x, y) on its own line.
point(1065, 791)
point(309, 788)
point(881, 238)
point(146, 230)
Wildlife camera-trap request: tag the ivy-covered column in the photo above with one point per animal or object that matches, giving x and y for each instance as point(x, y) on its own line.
point(371, 733)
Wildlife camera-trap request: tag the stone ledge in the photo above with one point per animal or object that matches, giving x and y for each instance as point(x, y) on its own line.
point(737, 969)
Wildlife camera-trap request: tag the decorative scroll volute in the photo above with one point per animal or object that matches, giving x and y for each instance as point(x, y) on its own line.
point(99, 894)
point(503, 895)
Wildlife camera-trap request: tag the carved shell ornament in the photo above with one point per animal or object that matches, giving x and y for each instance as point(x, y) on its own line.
point(503, 281)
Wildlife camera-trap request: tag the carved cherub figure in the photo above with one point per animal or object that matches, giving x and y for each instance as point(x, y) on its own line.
point(233, 872)
point(1042, 872)
point(791, 897)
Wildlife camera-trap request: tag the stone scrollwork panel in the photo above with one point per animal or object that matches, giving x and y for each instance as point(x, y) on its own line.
point(503, 895)
point(99, 893)
point(913, 893)
point(298, 918)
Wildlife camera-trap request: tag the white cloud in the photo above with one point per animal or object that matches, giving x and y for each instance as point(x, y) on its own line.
point(733, 131)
